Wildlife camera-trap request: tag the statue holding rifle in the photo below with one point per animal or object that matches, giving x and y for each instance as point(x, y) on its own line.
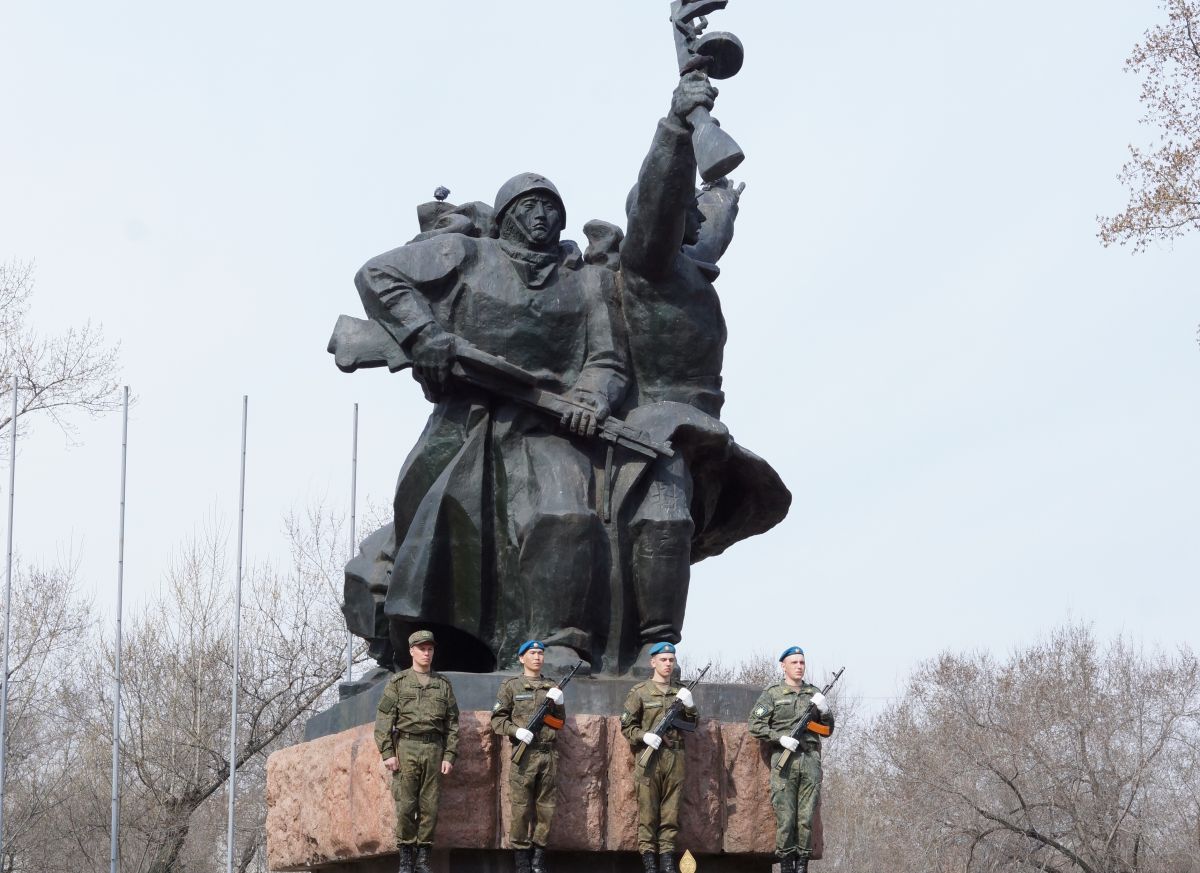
point(574, 465)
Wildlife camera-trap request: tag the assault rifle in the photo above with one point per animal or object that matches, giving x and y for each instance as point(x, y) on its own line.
point(357, 343)
point(543, 716)
point(672, 718)
point(807, 724)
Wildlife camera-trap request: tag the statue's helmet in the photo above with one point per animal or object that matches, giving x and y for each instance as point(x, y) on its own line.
point(517, 187)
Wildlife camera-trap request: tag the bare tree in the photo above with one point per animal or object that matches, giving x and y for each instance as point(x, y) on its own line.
point(177, 665)
point(75, 371)
point(1163, 180)
point(1064, 758)
point(49, 623)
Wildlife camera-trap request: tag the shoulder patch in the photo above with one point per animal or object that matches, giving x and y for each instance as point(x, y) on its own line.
point(496, 706)
point(760, 710)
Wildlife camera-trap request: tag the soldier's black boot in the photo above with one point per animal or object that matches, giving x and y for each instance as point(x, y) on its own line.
point(801, 865)
point(406, 859)
point(649, 862)
point(666, 863)
point(422, 864)
point(537, 864)
point(788, 864)
point(522, 856)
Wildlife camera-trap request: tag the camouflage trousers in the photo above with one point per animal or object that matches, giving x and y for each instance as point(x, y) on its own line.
point(658, 798)
point(794, 796)
point(531, 797)
point(415, 788)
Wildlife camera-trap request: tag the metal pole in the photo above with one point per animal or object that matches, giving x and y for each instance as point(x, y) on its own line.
point(237, 630)
point(12, 485)
point(116, 745)
point(353, 540)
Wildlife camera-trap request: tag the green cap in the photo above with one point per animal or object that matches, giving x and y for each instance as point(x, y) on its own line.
point(415, 639)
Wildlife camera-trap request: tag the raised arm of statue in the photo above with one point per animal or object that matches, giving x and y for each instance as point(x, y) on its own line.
point(666, 189)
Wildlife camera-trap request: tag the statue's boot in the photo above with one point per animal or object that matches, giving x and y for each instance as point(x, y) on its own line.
point(422, 863)
point(537, 863)
point(666, 863)
point(406, 859)
point(649, 862)
point(661, 572)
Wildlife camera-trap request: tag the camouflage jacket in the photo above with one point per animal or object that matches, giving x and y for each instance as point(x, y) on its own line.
point(516, 702)
point(411, 708)
point(645, 705)
point(778, 709)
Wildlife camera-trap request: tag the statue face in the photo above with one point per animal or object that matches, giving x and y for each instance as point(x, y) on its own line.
point(691, 231)
point(538, 217)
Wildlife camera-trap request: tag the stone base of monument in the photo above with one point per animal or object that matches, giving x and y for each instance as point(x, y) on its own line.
point(329, 803)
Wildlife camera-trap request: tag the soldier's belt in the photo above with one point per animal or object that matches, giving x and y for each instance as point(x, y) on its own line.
point(539, 746)
point(431, 737)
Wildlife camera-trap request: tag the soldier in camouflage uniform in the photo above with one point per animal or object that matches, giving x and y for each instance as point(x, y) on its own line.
point(660, 789)
point(796, 791)
point(416, 730)
point(531, 780)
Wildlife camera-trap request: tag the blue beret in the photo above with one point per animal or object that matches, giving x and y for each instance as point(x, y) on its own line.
point(793, 650)
point(659, 648)
point(530, 644)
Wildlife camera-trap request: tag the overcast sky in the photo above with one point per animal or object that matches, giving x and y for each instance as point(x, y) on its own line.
point(988, 421)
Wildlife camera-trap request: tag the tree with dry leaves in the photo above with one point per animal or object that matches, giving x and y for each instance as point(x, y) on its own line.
point(73, 371)
point(1164, 178)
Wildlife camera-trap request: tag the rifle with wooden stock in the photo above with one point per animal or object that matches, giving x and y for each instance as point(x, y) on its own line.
point(543, 716)
point(672, 718)
point(807, 724)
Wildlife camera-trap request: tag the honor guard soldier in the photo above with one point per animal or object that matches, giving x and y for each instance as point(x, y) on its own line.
point(532, 777)
point(416, 730)
point(660, 785)
point(796, 788)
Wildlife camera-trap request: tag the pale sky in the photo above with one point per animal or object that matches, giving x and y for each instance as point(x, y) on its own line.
point(988, 421)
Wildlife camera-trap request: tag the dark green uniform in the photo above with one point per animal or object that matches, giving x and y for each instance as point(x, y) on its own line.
point(795, 791)
point(530, 782)
point(660, 790)
point(425, 721)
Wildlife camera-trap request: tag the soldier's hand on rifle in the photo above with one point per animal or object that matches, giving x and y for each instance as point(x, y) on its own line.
point(789, 743)
point(585, 421)
point(684, 696)
point(392, 764)
point(820, 702)
point(555, 694)
point(432, 355)
point(523, 735)
point(652, 739)
point(694, 90)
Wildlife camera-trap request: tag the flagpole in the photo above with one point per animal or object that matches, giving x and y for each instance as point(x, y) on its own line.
point(115, 829)
point(12, 484)
point(353, 539)
point(237, 628)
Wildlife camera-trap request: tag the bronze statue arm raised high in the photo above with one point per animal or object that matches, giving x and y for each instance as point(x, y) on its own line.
point(666, 188)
